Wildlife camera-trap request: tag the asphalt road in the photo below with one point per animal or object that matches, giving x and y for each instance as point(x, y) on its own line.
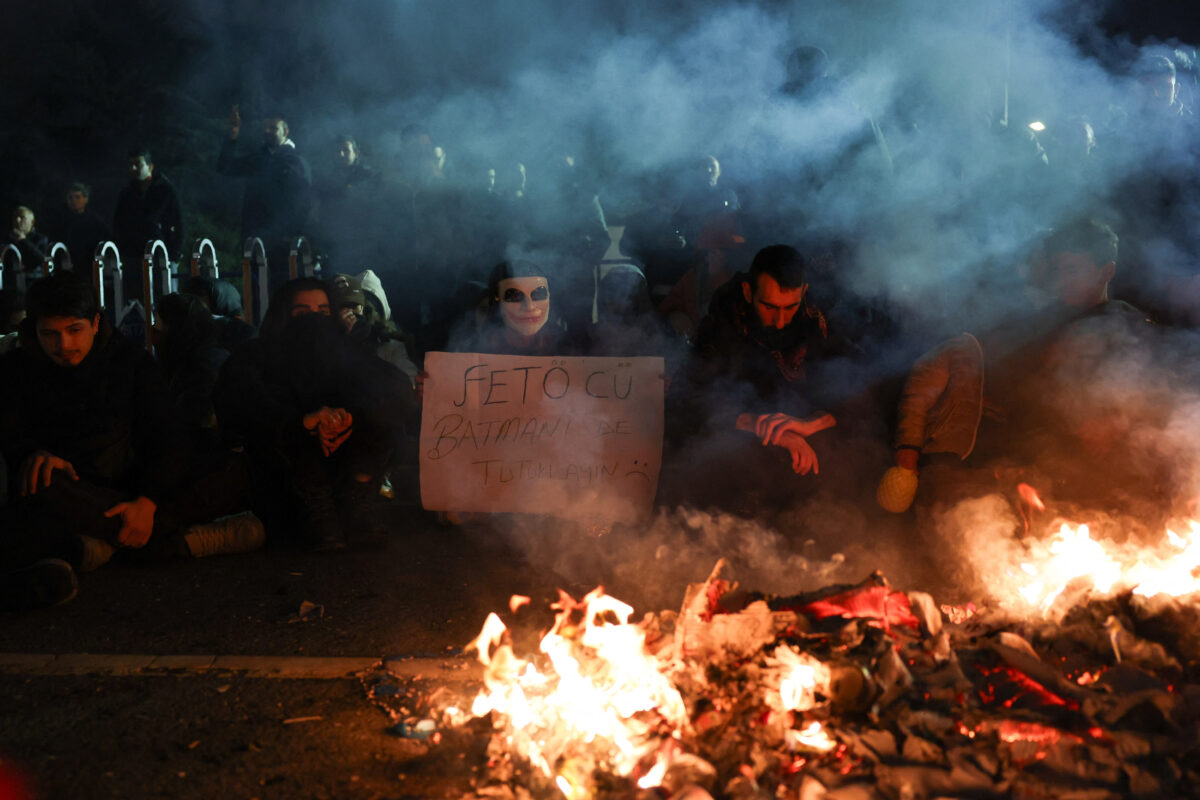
point(226, 733)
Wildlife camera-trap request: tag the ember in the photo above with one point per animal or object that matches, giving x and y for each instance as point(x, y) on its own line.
point(858, 691)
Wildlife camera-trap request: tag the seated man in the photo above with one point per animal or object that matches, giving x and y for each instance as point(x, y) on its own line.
point(317, 414)
point(749, 374)
point(95, 458)
point(28, 239)
point(977, 413)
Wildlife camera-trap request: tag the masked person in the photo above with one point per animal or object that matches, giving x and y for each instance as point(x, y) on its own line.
point(520, 317)
point(317, 414)
point(748, 395)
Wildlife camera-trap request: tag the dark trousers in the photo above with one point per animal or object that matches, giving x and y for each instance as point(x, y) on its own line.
point(48, 524)
point(307, 497)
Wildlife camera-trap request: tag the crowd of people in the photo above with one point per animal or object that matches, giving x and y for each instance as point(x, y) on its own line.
point(232, 434)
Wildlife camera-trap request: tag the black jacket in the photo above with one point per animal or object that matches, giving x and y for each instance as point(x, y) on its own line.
point(278, 198)
point(109, 416)
point(143, 216)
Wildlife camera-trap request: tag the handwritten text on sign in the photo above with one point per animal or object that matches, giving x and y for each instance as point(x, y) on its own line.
point(550, 435)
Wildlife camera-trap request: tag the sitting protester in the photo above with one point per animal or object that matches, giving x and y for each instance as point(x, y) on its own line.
point(224, 302)
point(96, 457)
point(317, 415)
point(520, 319)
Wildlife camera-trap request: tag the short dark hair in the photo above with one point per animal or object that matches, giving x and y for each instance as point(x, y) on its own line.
point(61, 294)
point(141, 151)
point(81, 187)
point(280, 307)
point(1084, 236)
point(783, 263)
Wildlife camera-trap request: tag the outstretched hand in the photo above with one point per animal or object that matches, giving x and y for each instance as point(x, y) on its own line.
point(771, 428)
point(804, 458)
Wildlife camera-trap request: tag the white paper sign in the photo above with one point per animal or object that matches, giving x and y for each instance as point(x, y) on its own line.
point(569, 436)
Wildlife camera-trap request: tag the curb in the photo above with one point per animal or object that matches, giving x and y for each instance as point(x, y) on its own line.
point(132, 664)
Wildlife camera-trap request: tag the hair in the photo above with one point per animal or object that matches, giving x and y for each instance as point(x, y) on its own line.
point(781, 262)
point(519, 268)
point(139, 151)
point(82, 188)
point(280, 307)
point(1154, 66)
point(344, 139)
point(61, 294)
point(1084, 236)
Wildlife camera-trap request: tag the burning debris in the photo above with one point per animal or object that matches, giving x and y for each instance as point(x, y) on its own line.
point(855, 691)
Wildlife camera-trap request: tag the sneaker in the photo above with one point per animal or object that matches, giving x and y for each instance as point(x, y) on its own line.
point(49, 582)
point(96, 553)
point(239, 533)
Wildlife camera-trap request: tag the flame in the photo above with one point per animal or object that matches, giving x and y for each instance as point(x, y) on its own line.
point(1073, 556)
point(812, 737)
point(594, 698)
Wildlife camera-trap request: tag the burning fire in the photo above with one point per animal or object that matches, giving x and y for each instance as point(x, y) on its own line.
point(1073, 557)
point(595, 699)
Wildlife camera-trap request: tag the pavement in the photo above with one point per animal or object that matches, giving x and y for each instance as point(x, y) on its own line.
point(240, 676)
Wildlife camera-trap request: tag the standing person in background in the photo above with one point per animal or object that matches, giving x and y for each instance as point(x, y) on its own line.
point(278, 199)
point(147, 209)
point(79, 227)
point(30, 241)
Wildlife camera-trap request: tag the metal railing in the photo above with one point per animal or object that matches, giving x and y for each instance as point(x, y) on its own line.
point(57, 257)
point(106, 268)
point(254, 265)
point(12, 271)
point(204, 259)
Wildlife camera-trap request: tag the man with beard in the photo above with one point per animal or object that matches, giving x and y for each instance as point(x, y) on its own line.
point(317, 415)
point(749, 378)
point(278, 197)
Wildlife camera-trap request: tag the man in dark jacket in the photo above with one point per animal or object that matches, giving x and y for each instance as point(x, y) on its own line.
point(147, 209)
point(278, 196)
point(317, 414)
point(86, 431)
point(751, 375)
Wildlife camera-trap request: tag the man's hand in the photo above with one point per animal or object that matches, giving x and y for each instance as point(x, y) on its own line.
point(332, 426)
point(771, 428)
point(906, 457)
point(804, 458)
point(38, 468)
point(137, 521)
point(235, 123)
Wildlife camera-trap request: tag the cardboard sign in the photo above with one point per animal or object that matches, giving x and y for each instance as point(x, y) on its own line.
point(573, 437)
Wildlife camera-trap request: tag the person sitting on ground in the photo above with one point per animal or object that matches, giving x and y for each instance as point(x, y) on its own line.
point(224, 302)
point(317, 416)
point(976, 412)
point(96, 459)
point(750, 376)
point(520, 319)
point(362, 314)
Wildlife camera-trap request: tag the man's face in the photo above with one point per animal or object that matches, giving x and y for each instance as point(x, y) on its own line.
point(1076, 279)
point(275, 131)
point(309, 301)
point(774, 306)
point(1158, 91)
point(23, 220)
point(67, 340)
point(77, 202)
point(348, 154)
point(140, 169)
point(524, 304)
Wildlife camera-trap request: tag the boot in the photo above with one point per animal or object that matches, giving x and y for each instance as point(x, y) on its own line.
point(238, 533)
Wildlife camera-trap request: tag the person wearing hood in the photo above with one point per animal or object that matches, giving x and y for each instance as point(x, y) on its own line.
point(317, 415)
point(224, 302)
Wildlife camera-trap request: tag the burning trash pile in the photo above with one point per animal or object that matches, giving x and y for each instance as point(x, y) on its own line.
point(855, 691)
